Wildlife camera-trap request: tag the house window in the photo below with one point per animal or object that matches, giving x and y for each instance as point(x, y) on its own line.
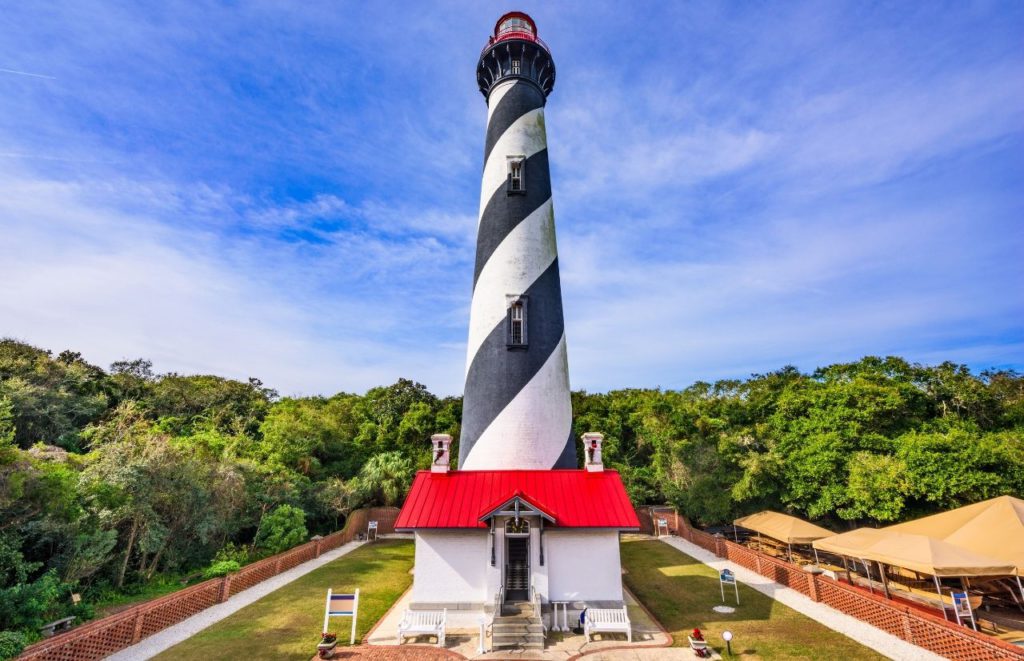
point(516, 175)
point(515, 67)
point(517, 322)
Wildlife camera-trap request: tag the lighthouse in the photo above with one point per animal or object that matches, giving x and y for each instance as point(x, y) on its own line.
point(517, 412)
point(518, 521)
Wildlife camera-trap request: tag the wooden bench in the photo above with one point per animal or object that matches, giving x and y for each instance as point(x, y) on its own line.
point(423, 623)
point(607, 620)
point(62, 624)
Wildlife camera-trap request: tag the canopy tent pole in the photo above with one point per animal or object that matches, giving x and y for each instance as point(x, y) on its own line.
point(735, 534)
point(938, 588)
point(1019, 586)
point(867, 568)
point(816, 561)
point(846, 566)
point(885, 583)
point(790, 546)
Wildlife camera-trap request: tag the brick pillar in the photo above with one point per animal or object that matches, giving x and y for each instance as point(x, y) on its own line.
point(140, 619)
point(908, 632)
point(812, 586)
point(757, 563)
point(225, 589)
point(277, 566)
point(316, 550)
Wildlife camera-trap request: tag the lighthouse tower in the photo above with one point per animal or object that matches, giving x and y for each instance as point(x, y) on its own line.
point(517, 412)
point(503, 527)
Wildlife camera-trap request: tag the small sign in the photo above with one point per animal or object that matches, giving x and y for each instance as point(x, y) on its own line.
point(76, 598)
point(962, 609)
point(342, 605)
point(726, 577)
point(371, 528)
point(662, 525)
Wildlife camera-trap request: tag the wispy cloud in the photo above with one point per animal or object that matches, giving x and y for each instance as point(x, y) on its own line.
point(256, 190)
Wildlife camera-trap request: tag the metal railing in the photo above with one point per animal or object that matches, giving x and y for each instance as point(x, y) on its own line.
point(537, 607)
point(525, 35)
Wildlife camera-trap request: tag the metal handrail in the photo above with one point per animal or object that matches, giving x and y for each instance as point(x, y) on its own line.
point(537, 608)
point(525, 35)
point(499, 599)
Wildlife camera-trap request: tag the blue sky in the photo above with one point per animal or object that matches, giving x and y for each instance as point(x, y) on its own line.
point(288, 190)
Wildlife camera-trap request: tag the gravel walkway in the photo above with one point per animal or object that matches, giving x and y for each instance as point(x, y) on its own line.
point(873, 637)
point(171, 636)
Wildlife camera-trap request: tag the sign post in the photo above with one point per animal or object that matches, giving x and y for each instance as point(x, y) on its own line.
point(342, 605)
point(371, 529)
point(962, 609)
point(726, 577)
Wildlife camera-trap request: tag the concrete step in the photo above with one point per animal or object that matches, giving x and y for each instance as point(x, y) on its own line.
point(518, 629)
point(530, 641)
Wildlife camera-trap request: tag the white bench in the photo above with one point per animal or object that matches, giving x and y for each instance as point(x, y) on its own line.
point(423, 623)
point(607, 620)
point(699, 646)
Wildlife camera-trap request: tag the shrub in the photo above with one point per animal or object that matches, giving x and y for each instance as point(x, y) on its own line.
point(11, 644)
point(221, 568)
point(282, 529)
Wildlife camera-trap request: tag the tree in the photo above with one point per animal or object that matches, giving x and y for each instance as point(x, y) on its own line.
point(385, 479)
point(282, 529)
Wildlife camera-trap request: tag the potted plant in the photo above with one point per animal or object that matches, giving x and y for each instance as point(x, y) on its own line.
point(328, 641)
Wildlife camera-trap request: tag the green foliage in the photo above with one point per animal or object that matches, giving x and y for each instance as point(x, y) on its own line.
point(282, 529)
point(384, 479)
point(221, 568)
point(118, 484)
point(11, 644)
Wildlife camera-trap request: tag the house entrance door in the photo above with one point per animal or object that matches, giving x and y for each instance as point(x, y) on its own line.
point(517, 569)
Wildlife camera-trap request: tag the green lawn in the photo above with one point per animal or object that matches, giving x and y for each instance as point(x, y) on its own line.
point(681, 592)
point(286, 623)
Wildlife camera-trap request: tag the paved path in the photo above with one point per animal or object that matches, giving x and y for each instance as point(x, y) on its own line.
point(171, 636)
point(873, 637)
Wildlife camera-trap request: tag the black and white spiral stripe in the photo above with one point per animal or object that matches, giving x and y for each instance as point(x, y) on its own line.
point(517, 411)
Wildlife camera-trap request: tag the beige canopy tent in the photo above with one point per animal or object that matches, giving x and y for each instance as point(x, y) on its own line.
point(993, 528)
point(783, 527)
point(916, 552)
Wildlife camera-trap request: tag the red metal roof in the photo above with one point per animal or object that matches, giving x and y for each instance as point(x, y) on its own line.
point(573, 498)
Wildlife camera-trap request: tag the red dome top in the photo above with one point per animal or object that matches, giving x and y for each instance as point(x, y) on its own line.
point(515, 25)
point(515, 21)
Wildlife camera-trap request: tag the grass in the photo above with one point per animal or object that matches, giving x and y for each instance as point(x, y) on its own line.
point(681, 592)
point(286, 623)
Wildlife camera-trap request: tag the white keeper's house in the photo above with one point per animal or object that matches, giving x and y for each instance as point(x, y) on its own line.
point(485, 537)
point(520, 520)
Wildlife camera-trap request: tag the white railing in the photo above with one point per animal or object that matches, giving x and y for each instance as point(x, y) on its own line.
point(499, 599)
point(537, 610)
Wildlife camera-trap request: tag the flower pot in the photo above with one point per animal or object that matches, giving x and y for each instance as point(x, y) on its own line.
point(326, 650)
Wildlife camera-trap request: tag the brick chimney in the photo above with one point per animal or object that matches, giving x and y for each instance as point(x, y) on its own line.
point(592, 452)
point(441, 455)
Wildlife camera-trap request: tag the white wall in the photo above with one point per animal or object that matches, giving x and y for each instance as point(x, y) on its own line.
point(583, 565)
point(451, 566)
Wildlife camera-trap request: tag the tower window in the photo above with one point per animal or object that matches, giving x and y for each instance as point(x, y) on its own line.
point(517, 322)
point(515, 67)
point(516, 175)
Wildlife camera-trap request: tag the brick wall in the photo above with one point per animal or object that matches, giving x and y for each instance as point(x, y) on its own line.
point(101, 638)
point(933, 633)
